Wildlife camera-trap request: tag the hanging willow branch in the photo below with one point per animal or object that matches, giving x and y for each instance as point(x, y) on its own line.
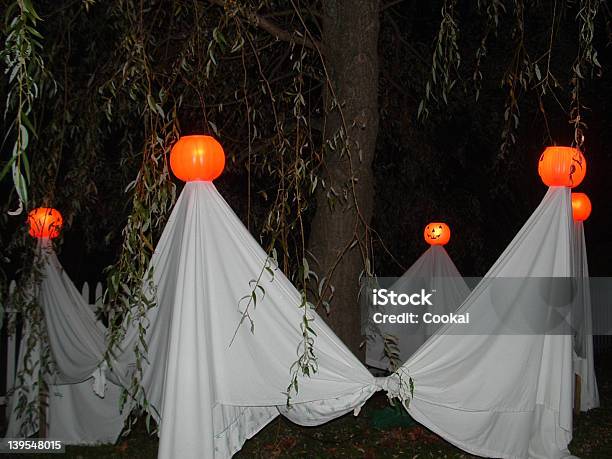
point(36, 368)
point(493, 11)
point(262, 22)
point(24, 68)
point(517, 80)
point(585, 65)
point(131, 292)
point(445, 61)
point(523, 74)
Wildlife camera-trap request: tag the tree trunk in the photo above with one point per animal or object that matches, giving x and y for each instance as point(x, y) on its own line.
point(350, 41)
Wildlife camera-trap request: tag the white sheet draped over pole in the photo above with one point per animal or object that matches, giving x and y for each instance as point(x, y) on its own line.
point(583, 344)
point(213, 382)
point(76, 337)
point(506, 396)
point(433, 271)
point(76, 415)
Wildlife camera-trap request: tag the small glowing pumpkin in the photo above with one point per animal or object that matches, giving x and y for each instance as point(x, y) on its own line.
point(197, 158)
point(45, 222)
point(581, 207)
point(437, 233)
point(562, 166)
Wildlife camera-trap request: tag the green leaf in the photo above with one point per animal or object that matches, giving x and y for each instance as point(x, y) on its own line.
point(26, 121)
point(24, 137)
point(218, 36)
point(6, 167)
point(20, 184)
point(151, 102)
point(26, 166)
point(28, 7)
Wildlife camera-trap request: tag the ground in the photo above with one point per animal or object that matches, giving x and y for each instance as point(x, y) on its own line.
point(355, 437)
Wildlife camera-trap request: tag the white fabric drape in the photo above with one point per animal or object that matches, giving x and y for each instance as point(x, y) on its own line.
point(212, 390)
point(506, 396)
point(75, 415)
point(77, 339)
point(433, 271)
point(213, 383)
point(501, 396)
point(583, 345)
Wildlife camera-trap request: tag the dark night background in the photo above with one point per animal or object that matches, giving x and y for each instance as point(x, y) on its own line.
point(445, 168)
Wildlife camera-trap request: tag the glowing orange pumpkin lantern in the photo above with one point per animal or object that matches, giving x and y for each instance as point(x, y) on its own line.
point(437, 233)
point(45, 222)
point(197, 157)
point(562, 166)
point(581, 207)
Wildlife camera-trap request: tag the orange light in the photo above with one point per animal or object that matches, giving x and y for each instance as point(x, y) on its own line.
point(562, 166)
point(45, 222)
point(197, 158)
point(581, 207)
point(437, 233)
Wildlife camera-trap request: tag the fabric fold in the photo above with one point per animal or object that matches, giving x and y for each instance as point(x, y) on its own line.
point(504, 395)
point(82, 407)
point(224, 336)
point(583, 341)
point(99, 379)
point(220, 362)
point(226, 331)
point(434, 271)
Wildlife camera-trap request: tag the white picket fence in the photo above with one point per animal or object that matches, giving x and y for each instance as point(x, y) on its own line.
point(13, 341)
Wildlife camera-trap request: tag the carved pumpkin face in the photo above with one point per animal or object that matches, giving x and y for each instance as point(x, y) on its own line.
point(197, 158)
point(45, 222)
point(581, 207)
point(437, 233)
point(562, 166)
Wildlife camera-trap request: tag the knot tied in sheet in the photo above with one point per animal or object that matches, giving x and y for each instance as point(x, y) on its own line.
point(390, 384)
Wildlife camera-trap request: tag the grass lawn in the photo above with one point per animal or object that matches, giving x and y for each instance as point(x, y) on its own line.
point(355, 437)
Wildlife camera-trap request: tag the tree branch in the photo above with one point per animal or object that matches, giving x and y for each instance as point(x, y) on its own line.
point(272, 28)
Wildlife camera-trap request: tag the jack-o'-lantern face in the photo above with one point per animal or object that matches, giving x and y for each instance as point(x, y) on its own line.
point(437, 233)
